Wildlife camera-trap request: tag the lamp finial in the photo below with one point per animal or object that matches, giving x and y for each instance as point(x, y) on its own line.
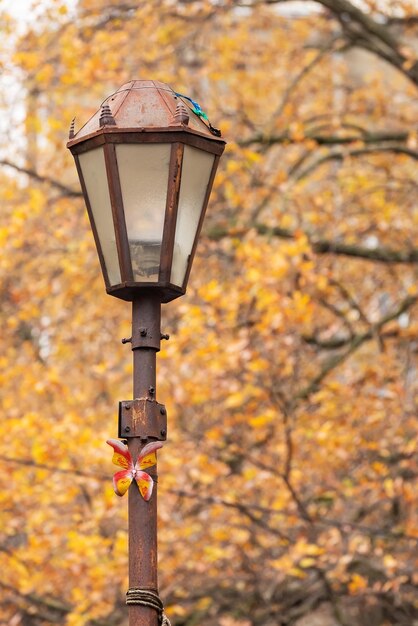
point(71, 133)
point(181, 116)
point(106, 117)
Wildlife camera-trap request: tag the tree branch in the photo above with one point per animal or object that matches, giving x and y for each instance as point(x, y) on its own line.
point(67, 191)
point(52, 468)
point(343, 525)
point(336, 343)
point(246, 510)
point(340, 156)
point(362, 30)
point(322, 52)
point(347, 12)
point(327, 140)
point(50, 604)
point(356, 342)
point(323, 246)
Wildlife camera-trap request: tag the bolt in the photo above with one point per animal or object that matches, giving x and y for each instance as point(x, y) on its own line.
point(167, 337)
point(127, 340)
point(162, 411)
point(151, 390)
point(127, 407)
point(163, 433)
point(143, 332)
point(127, 429)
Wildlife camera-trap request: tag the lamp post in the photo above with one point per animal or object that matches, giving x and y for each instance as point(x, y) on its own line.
point(146, 162)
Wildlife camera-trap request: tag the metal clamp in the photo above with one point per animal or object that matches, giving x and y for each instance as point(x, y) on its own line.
point(144, 418)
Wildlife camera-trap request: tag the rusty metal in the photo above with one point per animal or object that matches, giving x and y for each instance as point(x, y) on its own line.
point(171, 134)
point(106, 118)
point(173, 191)
point(147, 421)
point(148, 333)
point(71, 132)
point(181, 115)
point(129, 290)
point(142, 104)
point(144, 418)
point(142, 112)
point(116, 201)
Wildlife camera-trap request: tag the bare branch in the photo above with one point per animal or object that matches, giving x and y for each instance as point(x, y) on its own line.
point(322, 52)
point(66, 191)
point(356, 342)
point(365, 32)
point(52, 468)
point(335, 343)
point(380, 254)
point(246, 510)
point(340, 156)
point(327, 140)
point(343, 525)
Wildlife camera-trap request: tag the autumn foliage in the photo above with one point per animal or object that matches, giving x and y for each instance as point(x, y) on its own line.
point(290, 378)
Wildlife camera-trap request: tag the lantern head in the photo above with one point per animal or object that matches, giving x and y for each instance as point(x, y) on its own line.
point(146, 162)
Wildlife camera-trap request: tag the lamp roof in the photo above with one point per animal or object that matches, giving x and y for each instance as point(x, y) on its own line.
point(146, 105)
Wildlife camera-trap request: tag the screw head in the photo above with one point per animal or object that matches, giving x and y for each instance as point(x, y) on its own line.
point(143, 332)
point(127, 429)
point(162, 411)
point(151, 390)
point(163, 433)
point(127, 407)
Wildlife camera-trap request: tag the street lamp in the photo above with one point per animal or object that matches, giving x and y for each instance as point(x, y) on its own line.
point(146, 162)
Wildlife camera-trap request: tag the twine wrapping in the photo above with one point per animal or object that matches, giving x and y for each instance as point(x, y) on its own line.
point(148, 598)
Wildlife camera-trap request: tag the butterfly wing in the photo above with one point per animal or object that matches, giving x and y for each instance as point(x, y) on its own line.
point(145, 484)
point(122, 481)
point(122, 457)
point(121, 454)
point(147, 457)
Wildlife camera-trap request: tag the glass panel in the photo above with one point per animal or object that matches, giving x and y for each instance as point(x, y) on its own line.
point(143, 172)
point(95, 178)
point(197, 167)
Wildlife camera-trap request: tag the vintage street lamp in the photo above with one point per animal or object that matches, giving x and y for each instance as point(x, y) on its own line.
point(146, 162)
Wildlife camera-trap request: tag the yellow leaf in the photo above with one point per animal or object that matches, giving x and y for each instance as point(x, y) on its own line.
point(306, 562)
point(357, 583)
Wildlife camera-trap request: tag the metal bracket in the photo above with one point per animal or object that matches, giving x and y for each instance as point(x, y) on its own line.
point(144, 418)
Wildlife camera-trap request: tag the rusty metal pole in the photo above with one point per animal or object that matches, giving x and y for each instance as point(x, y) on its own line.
point(146, 337)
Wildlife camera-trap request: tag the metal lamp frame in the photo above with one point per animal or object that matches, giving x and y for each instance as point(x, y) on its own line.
point(108, 137)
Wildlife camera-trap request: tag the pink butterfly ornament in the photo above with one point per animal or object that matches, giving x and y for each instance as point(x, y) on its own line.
point(122, 458)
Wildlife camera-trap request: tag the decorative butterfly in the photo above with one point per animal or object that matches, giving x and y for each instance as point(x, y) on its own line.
point(122, 457)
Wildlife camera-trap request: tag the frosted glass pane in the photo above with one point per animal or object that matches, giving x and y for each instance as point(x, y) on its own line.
point(143, 172)
point(197, 167)
point(95, 178)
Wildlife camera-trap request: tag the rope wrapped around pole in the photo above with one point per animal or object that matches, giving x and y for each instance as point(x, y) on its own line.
point(145, 597)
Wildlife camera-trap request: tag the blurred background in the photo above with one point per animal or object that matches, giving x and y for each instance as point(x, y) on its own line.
point(288, 484)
